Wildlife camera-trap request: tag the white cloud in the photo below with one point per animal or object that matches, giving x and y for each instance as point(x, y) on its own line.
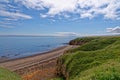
point(85, 8)
point(11, 12)
point(14, 15)
point(31, 4)
point(114, 30)
point(7, 1)
point(66, 34)
point(43, 15)
point(6, 26)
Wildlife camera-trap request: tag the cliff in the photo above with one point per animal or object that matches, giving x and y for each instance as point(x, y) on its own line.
point(97, 58)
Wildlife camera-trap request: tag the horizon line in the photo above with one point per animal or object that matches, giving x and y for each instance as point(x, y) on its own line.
point(53, 35)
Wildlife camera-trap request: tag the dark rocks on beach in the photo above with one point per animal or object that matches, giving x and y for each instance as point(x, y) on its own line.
point(44, 46)
point(16, 54)
point(65, 43)
point(3, 56)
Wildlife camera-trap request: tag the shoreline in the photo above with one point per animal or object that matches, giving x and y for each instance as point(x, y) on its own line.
point(6, 59)
point(20, 63)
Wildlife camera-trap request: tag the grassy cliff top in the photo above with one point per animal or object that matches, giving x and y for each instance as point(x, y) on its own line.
point(96, 58)
point(7, 75)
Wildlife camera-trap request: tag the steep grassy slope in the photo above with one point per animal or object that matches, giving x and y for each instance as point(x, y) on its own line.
point(97, 59)
point(7, 75)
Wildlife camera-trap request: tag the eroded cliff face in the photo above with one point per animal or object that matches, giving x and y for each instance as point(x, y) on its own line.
point(75, 42)
point(43, 71)
point(81, 41)
point(62, 70)
point(46, 71)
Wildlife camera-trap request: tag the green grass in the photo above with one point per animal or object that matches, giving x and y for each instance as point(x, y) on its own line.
point(8, 75)
point(97, 59)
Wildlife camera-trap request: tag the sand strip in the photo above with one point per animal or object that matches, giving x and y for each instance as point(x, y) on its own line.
point(15, 64)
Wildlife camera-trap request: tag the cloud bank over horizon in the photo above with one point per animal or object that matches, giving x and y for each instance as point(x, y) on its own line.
point(114, 30)
point(66, 34)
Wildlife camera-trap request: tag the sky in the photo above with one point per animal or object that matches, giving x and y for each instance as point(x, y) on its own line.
point(59, 17)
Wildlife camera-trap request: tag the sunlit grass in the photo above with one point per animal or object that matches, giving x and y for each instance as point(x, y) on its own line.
point(97, 59)
point(8, 75)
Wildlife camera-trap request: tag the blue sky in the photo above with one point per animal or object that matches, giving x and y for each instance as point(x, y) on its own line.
point(59, 17)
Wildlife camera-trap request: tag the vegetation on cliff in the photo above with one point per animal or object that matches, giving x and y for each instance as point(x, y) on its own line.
point(97, 58)
point(8, 75)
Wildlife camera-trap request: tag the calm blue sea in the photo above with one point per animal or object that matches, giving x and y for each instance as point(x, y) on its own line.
point(16, 47)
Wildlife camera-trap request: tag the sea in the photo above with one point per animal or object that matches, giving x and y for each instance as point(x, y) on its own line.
point(17, 47)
